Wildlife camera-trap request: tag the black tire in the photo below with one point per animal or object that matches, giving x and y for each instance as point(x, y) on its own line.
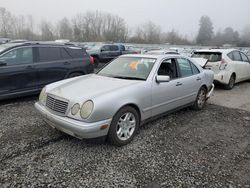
point(96, 62)
point(200, 99)
point(75, 74)
point(113, 137)
point(231, 83)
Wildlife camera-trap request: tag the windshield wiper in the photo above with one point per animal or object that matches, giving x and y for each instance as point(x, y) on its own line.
point(129, 78)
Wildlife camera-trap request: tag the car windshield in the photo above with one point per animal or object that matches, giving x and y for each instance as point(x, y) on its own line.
point(210, 56)
point(137, 68)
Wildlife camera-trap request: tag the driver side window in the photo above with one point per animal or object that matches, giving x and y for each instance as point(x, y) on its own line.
point(168, 68)
point(18, 56)
point(105, 48)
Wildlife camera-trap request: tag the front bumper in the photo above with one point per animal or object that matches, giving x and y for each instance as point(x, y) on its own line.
point(210, 91)
point(73, 127)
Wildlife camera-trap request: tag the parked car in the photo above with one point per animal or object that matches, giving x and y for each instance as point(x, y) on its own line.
point(4, 40)
point(230, 66)
point(162, 52)
point(124, 94)
point(103, 53)
point(25, 68)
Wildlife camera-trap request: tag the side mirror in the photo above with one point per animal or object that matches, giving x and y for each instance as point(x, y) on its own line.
point(2, 63)
point(160, 79)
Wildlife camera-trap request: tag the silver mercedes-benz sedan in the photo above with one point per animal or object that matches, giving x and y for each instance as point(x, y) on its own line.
point(123, 95)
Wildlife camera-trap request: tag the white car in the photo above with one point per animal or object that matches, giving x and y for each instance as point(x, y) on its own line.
point(230, 66)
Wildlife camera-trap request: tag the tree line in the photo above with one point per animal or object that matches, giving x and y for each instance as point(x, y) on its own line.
point(99, 26)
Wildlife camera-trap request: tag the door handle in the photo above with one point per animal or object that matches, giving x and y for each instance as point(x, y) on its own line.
point(178, 84)
point(198, 78)
point(66, 63)
point(29, 67)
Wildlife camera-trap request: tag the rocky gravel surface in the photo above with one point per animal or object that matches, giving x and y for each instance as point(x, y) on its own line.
point(208, 148)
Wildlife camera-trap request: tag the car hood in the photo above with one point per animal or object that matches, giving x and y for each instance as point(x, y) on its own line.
point(88, 87)
point(201, 61)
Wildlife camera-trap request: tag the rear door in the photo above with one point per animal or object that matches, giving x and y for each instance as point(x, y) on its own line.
point(51, 66)
point(190, 80)
point(115, 51)
point(19, 74)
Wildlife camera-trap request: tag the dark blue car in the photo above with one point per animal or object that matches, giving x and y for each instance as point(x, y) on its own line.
point(26, 68)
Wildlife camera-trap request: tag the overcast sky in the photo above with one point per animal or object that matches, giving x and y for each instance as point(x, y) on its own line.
point(182, 15)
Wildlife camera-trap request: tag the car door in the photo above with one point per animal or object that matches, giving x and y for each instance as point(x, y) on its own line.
point(238, 66)
point(115, 51)
point(190, 80)
point(18, 74)
point(50, 65)
point(246, 64)
point(105, 53)
point(166, 95)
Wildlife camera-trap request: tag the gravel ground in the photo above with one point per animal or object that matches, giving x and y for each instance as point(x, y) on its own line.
point(209, 148)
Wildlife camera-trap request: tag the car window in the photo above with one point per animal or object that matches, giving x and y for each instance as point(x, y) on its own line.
point(168, 68)
point(106, 48)
point(244, 57)
point(18, 56)
point(49, 54)
point(236, 56)
point(211, 56)
point(65, 54)
point(114, 48)
point(184, 66)
point(76, 52)
point(194, 69)
point(230, 55)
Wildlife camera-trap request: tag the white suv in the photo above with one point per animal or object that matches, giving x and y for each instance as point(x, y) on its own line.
point(230, 66)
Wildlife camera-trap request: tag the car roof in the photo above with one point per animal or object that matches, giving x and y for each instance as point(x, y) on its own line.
point(154, 56)
point(216, 50)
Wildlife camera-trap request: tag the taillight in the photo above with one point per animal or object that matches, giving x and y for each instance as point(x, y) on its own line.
point(91, 60)
point(223, 64)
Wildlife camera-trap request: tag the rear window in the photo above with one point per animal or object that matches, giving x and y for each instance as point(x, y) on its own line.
point(211, 56)
point(49, 54)
point(76, 52)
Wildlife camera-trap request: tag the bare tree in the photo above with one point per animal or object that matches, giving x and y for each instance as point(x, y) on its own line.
point(6, 21)
point(65, 29)
point(46, 31)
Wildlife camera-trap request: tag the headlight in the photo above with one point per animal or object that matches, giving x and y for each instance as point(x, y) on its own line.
point(86, 109)
point(43, 96)
point(75, 109)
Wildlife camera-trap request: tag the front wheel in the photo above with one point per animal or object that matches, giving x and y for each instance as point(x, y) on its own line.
point(200, 99)
point(124, 126)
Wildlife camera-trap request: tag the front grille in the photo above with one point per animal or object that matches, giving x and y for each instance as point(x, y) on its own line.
point(57, 105)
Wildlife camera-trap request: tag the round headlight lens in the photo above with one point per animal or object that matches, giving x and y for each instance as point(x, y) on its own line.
point(42, 96)
point(75, 109)
point(86, 109)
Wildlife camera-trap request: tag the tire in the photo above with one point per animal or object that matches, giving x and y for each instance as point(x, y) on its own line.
point(231, 83)
point(96, 62)
point(200, 99)
point(75, 74)
point(123, 126)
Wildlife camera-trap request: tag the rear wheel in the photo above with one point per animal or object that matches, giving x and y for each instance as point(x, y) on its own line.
point(124, 126)
point(231, 83)
point(200, 99)
point(75, 74)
